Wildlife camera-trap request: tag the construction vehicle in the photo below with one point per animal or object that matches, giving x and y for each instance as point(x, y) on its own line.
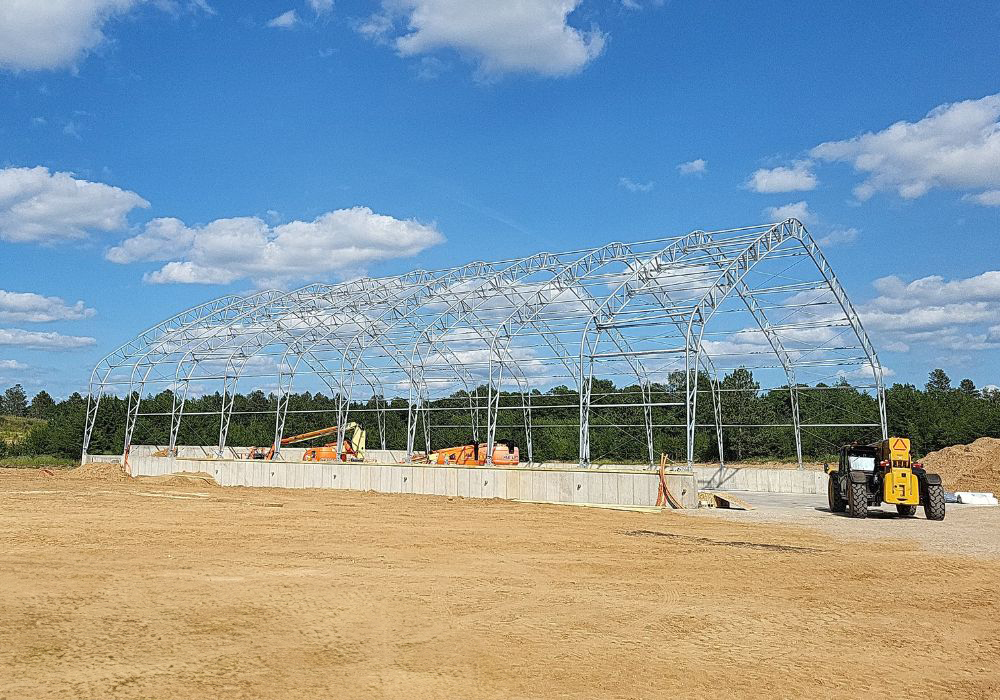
point(354, 445)
point(870, 475)
point(474, 454)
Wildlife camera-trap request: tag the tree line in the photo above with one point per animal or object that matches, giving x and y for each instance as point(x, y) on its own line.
point(935, 416)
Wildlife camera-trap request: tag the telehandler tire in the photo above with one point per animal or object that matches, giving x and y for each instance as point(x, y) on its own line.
point(833, 496)
point(857, 495)
point(934, 504)
point(905, 511)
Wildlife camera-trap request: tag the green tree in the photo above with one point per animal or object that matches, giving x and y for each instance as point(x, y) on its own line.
point(938, 381)
point(742, 404)
point(967, 387)
point(15, 401)
point(42, 405)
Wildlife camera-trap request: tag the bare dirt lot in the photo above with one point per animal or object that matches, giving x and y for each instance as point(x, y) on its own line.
point(139, 590)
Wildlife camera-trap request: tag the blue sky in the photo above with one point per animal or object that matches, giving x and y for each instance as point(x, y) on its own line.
point(150, 146)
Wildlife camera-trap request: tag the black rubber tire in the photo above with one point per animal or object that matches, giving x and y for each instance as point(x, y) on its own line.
point(906, 511)
point(837, 504)
point(934, 504)
point(857, 496)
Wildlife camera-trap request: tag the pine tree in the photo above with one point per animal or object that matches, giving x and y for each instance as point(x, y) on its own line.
point(967, 387)
point(42, 405)
point(15, 401)
point(938, 381)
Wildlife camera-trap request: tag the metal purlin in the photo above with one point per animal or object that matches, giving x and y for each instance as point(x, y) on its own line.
point(413, 283)
point(144, 345)
point(733, 276)
point(232, 329)
point(203, 350)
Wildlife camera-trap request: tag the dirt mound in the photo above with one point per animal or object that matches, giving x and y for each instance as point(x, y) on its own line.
point(181, 479)
point(100, 471)
point(973, 467)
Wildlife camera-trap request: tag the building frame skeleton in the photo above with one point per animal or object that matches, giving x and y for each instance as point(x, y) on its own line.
point(646, 313)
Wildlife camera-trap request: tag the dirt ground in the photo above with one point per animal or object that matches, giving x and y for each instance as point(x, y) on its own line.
point(972, 467)
point(140, 590)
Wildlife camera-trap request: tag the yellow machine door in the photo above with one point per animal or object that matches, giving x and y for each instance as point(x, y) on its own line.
point(901, 486)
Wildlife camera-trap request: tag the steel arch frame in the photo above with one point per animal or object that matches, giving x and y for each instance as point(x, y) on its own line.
point(370, 329)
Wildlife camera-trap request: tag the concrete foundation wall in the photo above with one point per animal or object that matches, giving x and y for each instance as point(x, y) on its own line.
point(768, 480)
point(625, 488)
point(717, 478)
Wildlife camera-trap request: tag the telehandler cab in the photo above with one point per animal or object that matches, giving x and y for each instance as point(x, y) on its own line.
point(869, 475)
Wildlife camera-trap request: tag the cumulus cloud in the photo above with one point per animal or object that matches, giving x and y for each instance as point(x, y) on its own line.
point(698, 166)
point(38, 340)
point(338, 243)
point(826, 235)
point(838, 236)
point(633, 186)
point(935, 289)
point(12, 364)
point(799, 177)
point(286, 20)
point(956, 146)
point(36, 205)
point(530, 36)
point(958, 314)
point(26, 306)
point(794, 210)
point(53, 34)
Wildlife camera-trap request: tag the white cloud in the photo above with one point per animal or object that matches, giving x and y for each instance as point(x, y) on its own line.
point(12, 364)
point(38, 340)
point(959, 315)
point(837, 236)
point(53, 34)
point(26, 306)
point(794, 210)
point(337, 243)
point(160, 239)
point(989, 198)
point(36, 205)
point(633, 186)
point(825, 234)
point(956, 146)
point(798, 177)
point(934, 289)
point(698, 166)
point(286, 20)
point(529, 36)
point(49, 34)
point(929, 317)
point(320, 7)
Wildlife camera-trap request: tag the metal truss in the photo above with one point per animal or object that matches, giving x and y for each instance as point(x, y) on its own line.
point(668, 317)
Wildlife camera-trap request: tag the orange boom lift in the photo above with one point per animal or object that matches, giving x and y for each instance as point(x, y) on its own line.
point(474, 455)
point(354, 445)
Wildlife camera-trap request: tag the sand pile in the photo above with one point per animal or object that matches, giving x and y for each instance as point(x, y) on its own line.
point(100, 471)
point(973, 467)
point(200, 479)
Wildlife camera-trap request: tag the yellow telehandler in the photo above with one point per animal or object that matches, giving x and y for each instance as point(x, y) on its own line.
point(870, 475)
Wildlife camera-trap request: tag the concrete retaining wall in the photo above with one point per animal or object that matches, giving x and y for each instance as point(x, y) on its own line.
point(718, 478)
point(558, 485)
point(769, 480)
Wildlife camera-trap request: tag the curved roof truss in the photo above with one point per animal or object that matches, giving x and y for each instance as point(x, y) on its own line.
point(648, 314)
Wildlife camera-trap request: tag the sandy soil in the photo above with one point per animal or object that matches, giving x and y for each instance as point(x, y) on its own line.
point(138, 590)
point(966, 530)
point(972, 467)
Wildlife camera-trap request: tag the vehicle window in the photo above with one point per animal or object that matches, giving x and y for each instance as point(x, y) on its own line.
point(862, 464)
